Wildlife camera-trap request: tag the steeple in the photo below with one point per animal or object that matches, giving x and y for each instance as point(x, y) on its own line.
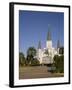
point(49, 33)
point(39, 45)
point(58, 44)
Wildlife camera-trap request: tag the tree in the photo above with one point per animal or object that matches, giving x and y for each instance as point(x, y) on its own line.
point(35, 62)
point(31, 53)
point(59, 63)
point(56, 62)
point(21, 59)
point(29, 59)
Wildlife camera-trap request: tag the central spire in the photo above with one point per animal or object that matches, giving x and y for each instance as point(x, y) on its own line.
point(39, 45)
point(49, 33)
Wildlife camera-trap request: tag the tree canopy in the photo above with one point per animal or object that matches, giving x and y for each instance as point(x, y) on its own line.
point(59, 63)
point(21, 59)
point(31, 51)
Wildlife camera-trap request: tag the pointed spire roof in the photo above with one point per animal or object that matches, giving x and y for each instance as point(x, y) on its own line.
point(49, 33)
point(39, 45)
point(58, 44)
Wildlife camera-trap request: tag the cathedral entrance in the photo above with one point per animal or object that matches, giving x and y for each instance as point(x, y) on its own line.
point(47, 60)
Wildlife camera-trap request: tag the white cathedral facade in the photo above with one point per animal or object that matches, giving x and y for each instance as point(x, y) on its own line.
point(45, 55)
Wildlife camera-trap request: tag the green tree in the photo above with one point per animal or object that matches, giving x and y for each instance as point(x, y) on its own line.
point(59, 63)
point(35, 62)
point(56, 62)
point(29, 59)
point(31, 53)
point(21, 59)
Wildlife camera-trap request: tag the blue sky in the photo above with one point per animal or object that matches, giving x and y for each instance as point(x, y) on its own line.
point(33, 26)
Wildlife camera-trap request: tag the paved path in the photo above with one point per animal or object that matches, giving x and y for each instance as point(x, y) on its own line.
point(36, 72)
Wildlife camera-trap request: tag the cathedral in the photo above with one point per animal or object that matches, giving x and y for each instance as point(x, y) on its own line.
point(45, 55)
